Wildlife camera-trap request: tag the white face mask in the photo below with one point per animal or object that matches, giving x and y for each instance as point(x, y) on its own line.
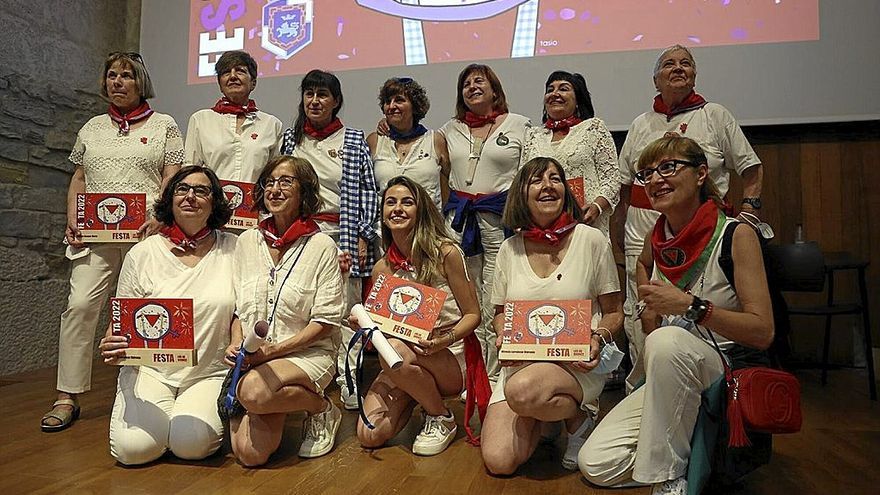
point(609, 358)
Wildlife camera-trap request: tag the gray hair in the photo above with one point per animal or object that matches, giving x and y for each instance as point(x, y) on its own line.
point(672, 48)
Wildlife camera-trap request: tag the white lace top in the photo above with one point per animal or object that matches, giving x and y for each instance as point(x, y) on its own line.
point(587, 152)
point(127, 164)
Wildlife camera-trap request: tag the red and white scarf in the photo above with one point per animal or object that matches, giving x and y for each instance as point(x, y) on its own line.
point(181, 240)
point(683, 257)
point(124, 120)
point(692, 101)
point(473, 120)
point(398, 260)
point(562, 125)
point(301, 227)
point(323, 132)
point(555, 233)
point(224, 105)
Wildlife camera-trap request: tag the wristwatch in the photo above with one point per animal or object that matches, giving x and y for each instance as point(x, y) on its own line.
point(697, 310)
point(755, 203)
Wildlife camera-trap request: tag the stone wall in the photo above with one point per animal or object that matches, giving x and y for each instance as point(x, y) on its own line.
point(50, 63)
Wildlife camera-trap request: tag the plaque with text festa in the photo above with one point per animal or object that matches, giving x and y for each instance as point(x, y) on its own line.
point(241, 200)
point(404, 309)
point(160, 331)
point(546, 331)
point(110, 217)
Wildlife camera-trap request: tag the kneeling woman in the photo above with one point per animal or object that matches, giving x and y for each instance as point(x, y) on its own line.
point(551, 257)
point(160, 409)
point(287, 275)
point(646, 438)
point(418, 249)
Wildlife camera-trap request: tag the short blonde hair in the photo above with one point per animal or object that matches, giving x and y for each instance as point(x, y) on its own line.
point(688, 149)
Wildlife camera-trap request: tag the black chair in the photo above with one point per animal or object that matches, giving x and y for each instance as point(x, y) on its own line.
point(802, 267)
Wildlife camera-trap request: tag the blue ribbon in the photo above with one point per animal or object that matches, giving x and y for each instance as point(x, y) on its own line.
point(236, 376)
point(464, 220)
point(364, 334)
point(416, 131)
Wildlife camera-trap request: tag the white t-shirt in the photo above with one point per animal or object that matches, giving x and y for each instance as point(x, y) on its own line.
point(499, 159)
point(716, 131)
point(311, 292)
point(586, 272)
point(326, 158)
point(421, 164)
point(151, 270)
point(131, 163)
point(586, 152)
point(211, 141)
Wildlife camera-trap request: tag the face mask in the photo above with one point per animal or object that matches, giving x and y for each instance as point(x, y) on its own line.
point(609, 358)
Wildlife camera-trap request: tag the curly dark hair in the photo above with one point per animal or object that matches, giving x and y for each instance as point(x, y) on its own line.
point(409, 88)
point(584, 109)
point(309, 185)
point(220, 210)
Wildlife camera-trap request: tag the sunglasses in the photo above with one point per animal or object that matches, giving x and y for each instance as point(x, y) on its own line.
point(132, 55)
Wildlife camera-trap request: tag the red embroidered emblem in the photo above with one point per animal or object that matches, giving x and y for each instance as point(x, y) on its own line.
point(683, 127)
point(144, 139)
point(254, 136)
point(674, 256)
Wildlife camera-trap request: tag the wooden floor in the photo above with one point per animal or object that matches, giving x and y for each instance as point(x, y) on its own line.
point(838, 451)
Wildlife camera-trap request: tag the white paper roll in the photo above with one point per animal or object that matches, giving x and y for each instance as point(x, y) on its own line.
point(253, 340)
point(379, 341)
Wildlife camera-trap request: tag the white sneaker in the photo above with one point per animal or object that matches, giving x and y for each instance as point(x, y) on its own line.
point(437, 433)
point(463, 396)
point(576, 441)
point(319, 432)
point(678, 486)
point(349, 401)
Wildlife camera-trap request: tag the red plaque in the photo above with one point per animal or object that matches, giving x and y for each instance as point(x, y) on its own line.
point(239, 195)
point(110, 217)
point(160, 331)
point(404, 309)
point(546, 331)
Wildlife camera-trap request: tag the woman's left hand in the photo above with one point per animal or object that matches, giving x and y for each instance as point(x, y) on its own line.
point(150, 227)
point(591, 214)
point(344, 262)
point(362, 252)
point(595, 349)
point(664, 298)
point(435, 344)
point(113, 348)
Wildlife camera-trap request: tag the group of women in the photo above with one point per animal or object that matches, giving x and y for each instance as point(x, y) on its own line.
point(337, 207)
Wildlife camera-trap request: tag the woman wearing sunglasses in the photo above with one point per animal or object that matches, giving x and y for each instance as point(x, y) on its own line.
point(159, 409)
point(129, 149)
point(684, 293)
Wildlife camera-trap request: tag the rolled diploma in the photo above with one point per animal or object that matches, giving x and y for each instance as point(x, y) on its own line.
point(255, 339)
point(379, 341)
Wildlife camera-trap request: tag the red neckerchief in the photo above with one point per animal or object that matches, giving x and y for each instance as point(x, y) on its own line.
point(476, 384)
point(555, 233)
point(398, 260)
point(323, 132)
point(300, 227)
point(562, 125)
point(692, 101)
point(682, 258)
point(182, 241)
point(223, 105)
point(124, 120)
point(473, 120)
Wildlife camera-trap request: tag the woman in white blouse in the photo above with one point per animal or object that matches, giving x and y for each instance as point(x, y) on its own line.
point(287, 277)
point(233, 138)
point(581, 143)
point(159, 409)
point(408, 148)
point(129, 149)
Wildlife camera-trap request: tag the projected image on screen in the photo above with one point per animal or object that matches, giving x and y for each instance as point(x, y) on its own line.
point(291, 37)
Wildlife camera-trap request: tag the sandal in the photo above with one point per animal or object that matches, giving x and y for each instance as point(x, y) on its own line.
point(65, 417)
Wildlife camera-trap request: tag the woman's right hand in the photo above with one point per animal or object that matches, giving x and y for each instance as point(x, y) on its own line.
point(382, 128)
point(230, 355)
point(73, 235)
point(498, 341)
point(113, 348)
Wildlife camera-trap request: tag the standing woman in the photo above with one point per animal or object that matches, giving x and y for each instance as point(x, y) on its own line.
point(286, 276)
point(580, 142)
point(409, 149)
point(552, 257)
point(130, 149)
point(418, 249)
point(484, 143)
point(233, 138)
point(159, 409)
point(341, 158)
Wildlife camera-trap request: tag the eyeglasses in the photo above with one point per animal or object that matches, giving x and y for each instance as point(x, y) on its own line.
point(665, 169)
point(402, 80)
point(182, 189)
point(132, 55)
point(283, 182)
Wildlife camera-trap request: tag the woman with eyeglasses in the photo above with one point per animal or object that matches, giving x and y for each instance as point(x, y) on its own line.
point(579, 140)
point(686, 301)
point(159, 409)
point(341, 159)
point(233, 138)
point(677, 110)
point(129, 149)
point(409, 149)
point(553, 256)
point(484, 142)
point(287, 278)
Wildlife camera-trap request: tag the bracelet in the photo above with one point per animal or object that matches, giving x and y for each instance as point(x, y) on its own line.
point(708, 313)
point(598, 207)
point(597, 332)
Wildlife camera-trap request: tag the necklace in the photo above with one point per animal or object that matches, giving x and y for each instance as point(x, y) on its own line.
point(475, 153)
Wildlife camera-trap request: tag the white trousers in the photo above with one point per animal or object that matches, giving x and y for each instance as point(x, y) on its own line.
point(632, 326)
point(481, 269)
point(353, 295)
point(646, 438)
point(91, 279)
point(150, 417)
